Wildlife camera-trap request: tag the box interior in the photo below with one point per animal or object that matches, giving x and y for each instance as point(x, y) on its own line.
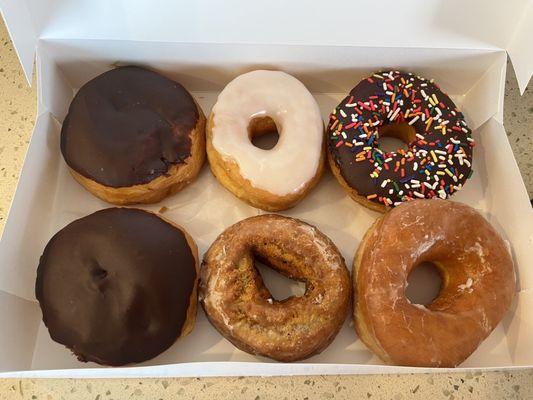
point(47, 198)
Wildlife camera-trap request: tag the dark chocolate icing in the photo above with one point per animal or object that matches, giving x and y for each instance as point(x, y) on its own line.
point(115, 286)
point(128, 126)
point(392, 97)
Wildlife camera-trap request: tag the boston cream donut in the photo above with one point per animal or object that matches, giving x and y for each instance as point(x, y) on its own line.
point(250, 105)
point(118, 286)
point(438, 157)
point(133, 136)
point(239, 305)
point(478, 283)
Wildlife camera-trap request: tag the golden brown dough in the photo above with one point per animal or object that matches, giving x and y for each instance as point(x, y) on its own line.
point(239, 305)
point(351, 191)
point(478, 283)
point(251, 105)
point(228, 174)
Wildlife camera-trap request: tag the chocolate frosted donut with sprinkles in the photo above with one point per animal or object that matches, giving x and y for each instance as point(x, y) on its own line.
point(438, 158)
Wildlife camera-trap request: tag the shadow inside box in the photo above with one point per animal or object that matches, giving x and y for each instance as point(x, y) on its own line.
point(511, 324)
point(203, 78)
point(346, 348)
point(196, 200)
point(316, 199)
point(479, 166)
point(28, 231)
point(198, 77)
point(328, 195)
point(204, 343)
point(79, 71)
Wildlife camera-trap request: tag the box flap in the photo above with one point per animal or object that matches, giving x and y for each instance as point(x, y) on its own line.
point(520, 48)
point(429, 23)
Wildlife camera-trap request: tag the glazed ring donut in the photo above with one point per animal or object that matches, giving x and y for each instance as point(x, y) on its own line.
point(478, 283)
point(438, 158)
point(241, 308)
point(274, 179)
point(133, 136)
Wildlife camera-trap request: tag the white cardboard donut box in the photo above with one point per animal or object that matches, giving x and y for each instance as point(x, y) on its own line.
point(204, 44)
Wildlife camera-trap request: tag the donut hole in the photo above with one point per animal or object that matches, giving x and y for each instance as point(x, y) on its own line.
point(280, 286)
point(394, 137)
point(263, 132)
point(424, 283)
point(97, 272)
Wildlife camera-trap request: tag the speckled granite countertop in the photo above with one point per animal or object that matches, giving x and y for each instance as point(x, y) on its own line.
point(503, 385)
point(518, 122)
point(17, 111)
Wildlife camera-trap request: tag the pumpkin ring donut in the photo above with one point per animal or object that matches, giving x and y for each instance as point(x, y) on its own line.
point(241, 308)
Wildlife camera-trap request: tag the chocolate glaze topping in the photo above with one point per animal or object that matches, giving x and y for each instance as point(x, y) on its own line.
point(128, 126)
point(115, 286)
point(438, 159)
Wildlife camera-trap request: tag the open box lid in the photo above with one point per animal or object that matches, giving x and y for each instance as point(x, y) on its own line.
point(415, 23)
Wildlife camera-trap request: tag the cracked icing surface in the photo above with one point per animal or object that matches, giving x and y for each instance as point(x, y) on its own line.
point(478, 283)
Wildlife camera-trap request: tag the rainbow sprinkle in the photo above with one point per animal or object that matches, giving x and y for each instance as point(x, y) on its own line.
point(436, 163)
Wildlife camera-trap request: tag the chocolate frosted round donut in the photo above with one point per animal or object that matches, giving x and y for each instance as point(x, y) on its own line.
point(239, 305)
point(438, 157)
point(132, 135)
point(477, 290)
point(118, 286)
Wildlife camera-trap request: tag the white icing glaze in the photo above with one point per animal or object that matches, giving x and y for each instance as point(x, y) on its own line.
point(324, 248)
point(214, 297)
point(467, 285)
point(420, 306)
point(293, 162)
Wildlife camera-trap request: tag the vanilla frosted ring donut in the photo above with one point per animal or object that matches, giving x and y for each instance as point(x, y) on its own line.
point(274, 179)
